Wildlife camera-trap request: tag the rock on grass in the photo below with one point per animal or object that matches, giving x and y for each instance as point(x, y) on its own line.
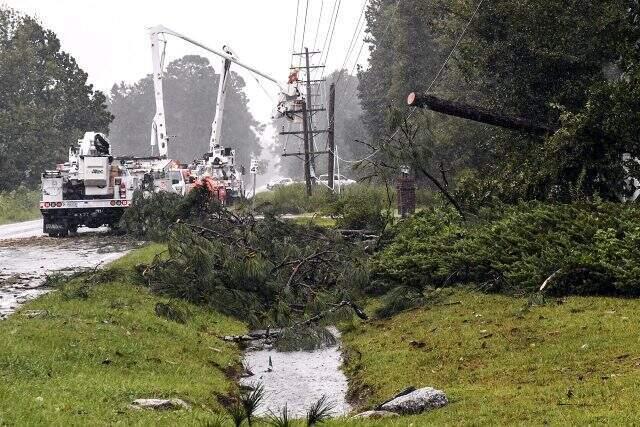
point(416, 402)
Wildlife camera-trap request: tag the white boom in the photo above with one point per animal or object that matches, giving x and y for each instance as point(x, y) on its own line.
point(159, 135)
point(158, 130)
point(216, 127)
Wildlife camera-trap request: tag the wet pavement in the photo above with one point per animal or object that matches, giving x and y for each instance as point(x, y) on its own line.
point(298, 379)
point(27, 257)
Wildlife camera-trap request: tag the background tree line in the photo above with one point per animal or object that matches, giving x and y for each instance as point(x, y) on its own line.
point(46, 104)
point(45, 101)
point(567, 64)
point(190, 92)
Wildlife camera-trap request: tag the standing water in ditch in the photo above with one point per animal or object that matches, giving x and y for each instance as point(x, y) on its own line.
point(298, 379)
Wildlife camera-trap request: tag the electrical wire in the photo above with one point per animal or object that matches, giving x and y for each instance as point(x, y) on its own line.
point(464, 31)
point(304, 32)
point(295, 29)
point(444, 64)
point(315, 39)
point(353, 42)
point(380, 42)
point(327, 47)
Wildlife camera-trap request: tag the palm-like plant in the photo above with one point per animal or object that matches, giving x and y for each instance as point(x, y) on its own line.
point(319, 411)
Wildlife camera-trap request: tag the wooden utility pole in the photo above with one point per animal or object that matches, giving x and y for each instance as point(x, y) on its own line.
point(331, 135)
point(307, 163)
point(307, 109)
point(309, 101)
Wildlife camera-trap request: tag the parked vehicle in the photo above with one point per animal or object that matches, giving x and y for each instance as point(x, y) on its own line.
point(338, 180)
point(92, 189)
point(279, 182)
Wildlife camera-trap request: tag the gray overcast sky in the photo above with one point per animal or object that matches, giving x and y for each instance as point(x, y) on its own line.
point(109, 41)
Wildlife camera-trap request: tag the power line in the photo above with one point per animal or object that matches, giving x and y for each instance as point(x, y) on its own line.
point(315, 39)
point(327, 47)
point(444, 64)
point(352, 43)
point(295, 29)
point(464, 31)
point(380, 41)
point(304, 28)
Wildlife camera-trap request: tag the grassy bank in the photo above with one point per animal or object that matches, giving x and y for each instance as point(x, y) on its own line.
point(19, 205)
point(96, 348)
point(572, 361)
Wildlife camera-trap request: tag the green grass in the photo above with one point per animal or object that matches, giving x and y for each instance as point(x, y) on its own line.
point(85, 360)
point(19, 205)
point(319, 220)
point(575, 362)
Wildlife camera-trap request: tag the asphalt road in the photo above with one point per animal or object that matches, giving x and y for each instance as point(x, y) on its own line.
point(21, 230)
point(27, 256)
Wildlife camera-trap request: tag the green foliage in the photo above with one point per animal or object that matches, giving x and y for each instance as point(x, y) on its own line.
point(319, 412)
point(20, 204)
point(584, 249)
point(577, 71)
point(251, 401)
point(46, 101)
point(267, 272)
point(190, 91)
point(292, 199)
point(237, 413)
point(360, 207)
point(152, 216)
point(281, 419)
point(172, 311)
point(305, 338)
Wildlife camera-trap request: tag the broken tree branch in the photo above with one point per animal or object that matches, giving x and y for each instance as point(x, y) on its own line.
point(477, 114)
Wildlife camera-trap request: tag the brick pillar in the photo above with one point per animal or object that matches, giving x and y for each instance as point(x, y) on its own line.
point(406, 190)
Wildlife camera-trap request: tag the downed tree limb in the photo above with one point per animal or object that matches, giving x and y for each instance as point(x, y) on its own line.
point(318, 317)
point(550, 279)
point(477, 114)
point(275, 333)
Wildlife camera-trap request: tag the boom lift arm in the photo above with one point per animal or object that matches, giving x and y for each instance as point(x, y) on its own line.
point(216, 126)
point(158, 130)
point(158, 126)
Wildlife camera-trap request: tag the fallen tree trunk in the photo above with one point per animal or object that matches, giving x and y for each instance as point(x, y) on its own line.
point(477, 114)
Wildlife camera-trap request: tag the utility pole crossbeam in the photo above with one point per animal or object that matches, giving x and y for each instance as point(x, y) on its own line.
point(315, 52)
point(302, 154)
point(313, 67)
point(302, 132)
